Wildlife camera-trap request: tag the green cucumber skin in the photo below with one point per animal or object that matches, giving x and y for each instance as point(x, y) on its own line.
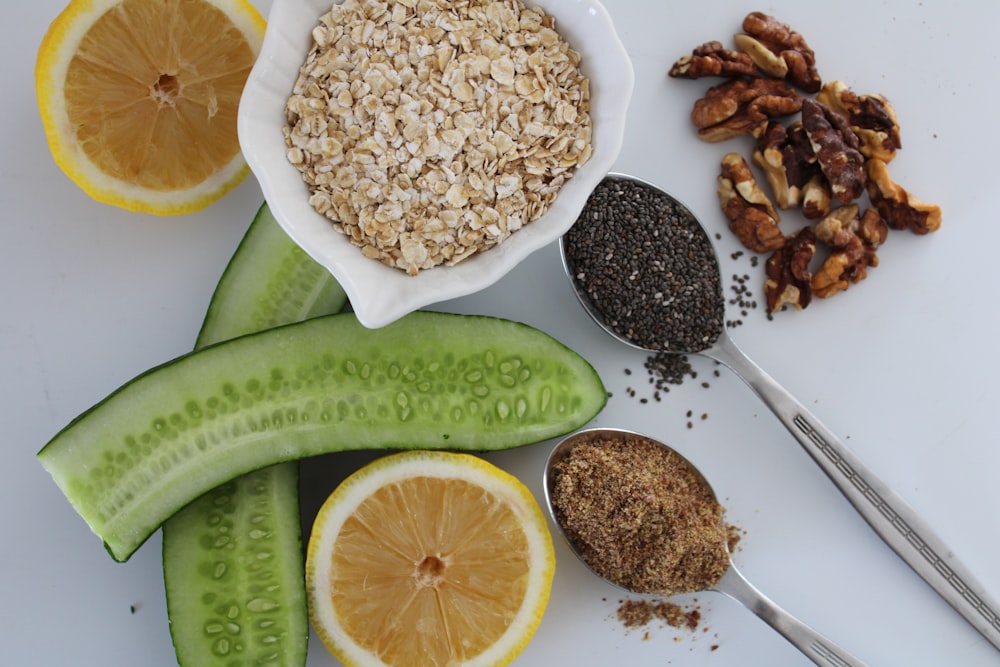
point(232, 559)
point(234, 574)
point(269, 281)
point(429, 380)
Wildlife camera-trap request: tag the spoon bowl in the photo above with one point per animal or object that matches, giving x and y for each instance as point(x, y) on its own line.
point(732, 583)
point(886, 512)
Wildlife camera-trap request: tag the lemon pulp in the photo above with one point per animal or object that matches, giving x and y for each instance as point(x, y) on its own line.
point(412, 565)
point(139, 98)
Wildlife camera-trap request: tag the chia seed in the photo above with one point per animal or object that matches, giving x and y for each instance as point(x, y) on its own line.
point(647, 266)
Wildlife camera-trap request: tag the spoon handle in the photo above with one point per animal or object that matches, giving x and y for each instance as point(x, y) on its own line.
point(815, 646)
point(891, 517)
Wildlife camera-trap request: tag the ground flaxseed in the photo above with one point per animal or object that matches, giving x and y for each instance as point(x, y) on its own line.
point(636, 613)
point(640, 516)
point(647, 266)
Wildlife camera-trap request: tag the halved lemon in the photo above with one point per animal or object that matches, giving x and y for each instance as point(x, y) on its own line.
point(139, 98)
point(429, 558)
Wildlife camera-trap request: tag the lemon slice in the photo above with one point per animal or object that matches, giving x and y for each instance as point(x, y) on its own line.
point(139, 98)
point(429, 558)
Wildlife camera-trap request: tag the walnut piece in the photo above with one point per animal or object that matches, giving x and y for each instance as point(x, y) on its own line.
point(870, 117)
point(854, 241)
point(787, 159)
point(817, 198)
point(899, 208)
point(789, 280)
point(743, 106)
point(752, 216)
point(836, 149)
point(430, 131)
point(713, 59)
point(779, 51)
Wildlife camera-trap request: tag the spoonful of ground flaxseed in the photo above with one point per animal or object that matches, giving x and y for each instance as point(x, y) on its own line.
point(641, 516)
point(645, 270)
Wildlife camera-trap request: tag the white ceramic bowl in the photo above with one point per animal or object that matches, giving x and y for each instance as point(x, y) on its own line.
point(380, 294)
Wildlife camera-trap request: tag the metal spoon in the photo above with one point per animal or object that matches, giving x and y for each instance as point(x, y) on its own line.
point(887, 513)
point(815, 646)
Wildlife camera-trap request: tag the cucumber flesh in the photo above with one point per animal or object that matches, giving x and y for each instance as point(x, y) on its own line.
point(232, 559)
point(268, 282)
point(234, 576)
point(328, 384)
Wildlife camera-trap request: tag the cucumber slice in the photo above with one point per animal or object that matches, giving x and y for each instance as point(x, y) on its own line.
point(268, 282)
point(232, 559)
point(429, 380)
point(234, 574)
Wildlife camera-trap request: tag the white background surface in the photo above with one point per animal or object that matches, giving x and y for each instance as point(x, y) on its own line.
point(904, 366)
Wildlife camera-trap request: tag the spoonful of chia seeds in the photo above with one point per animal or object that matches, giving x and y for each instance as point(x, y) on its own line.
point(645, 270)
point(643, 517)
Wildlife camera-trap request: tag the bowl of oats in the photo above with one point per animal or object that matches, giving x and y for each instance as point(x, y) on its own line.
point(420, 149)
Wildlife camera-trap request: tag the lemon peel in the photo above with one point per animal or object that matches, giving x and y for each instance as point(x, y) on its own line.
point(138, 98)
point(429, 557)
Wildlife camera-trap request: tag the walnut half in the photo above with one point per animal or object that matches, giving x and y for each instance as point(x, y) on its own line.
point(779, 51)
point(752, 216)
point(787, 159)
point(836, 149)
point(854, 240)
point(742, 106)
point(713, 59)
point(899, 208)
point(871, 117)
point(789, 280)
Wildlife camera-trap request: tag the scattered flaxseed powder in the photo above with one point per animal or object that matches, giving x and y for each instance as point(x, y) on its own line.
point(637, 613)
point(640, 516)
point(733, 536)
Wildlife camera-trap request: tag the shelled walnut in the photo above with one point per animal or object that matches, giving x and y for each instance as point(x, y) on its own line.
point(789, 279)
point(787, 160)
point(899, 208)
point(836, 149)
point(817, 198)
point(743, 106)
point(752, 216)
point(713, 59)
point(871, 118)
point(779, 51)
point(821, 163)
point(854, 240)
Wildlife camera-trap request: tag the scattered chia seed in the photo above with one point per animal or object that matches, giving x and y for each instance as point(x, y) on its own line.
point(650, 270)
point(668, 369)
point(647, 266)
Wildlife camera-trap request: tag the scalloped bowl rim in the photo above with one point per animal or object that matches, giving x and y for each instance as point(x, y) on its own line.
point(380, 294)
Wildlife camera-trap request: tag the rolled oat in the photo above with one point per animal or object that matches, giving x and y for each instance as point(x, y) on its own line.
point(431, 130)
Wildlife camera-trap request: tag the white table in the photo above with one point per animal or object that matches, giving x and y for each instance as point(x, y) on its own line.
point(904, 366)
